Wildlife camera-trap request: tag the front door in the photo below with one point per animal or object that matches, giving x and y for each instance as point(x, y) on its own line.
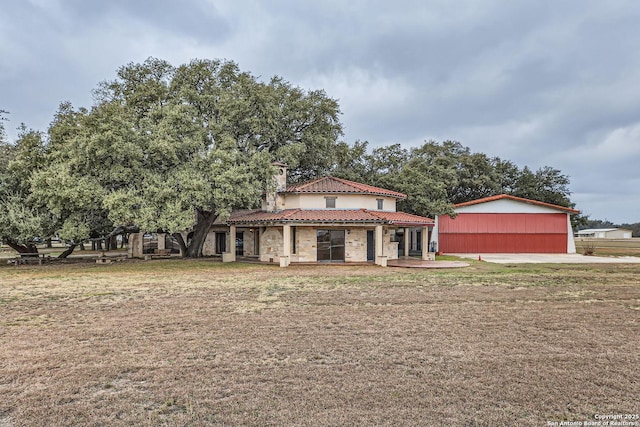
point(256, 241)
point(400, 240)
point(371, 246)
point(331, 245)
point(221, 243)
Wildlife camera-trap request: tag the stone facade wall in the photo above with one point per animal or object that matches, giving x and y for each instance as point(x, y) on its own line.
point(390, 249)
point(306, 245)
point(271, 245)
point(209, 247)
point(248, 239)
point(355, 245)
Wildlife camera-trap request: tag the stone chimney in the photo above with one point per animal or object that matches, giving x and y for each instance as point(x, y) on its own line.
point(274, 200)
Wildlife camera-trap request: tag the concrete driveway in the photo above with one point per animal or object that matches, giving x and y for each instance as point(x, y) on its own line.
point(550, 259)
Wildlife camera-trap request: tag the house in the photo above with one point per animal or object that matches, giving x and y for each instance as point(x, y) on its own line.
point(505, 224)
point(606, 233)
point(328, 219)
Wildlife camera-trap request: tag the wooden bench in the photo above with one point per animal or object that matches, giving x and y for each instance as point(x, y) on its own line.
point(158, 253)
point(104, 259)
point(29, 258)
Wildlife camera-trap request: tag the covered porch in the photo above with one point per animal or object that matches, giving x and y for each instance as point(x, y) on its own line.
point(319, 243)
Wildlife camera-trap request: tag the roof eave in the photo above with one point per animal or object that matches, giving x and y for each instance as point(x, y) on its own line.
point(365, 193)
point(307, 222)
point(517, 199)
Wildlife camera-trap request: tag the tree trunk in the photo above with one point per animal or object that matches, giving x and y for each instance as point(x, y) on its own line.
point(110, 243)
point(205, 220)
point(124, 230)
point(67, 251)
point(28, 248)
point(180, 240)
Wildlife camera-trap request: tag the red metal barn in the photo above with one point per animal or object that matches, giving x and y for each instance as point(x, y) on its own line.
point(506, 224)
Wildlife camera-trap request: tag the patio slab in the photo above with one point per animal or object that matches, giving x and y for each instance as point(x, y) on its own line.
point(418, 263)
point(549, 259)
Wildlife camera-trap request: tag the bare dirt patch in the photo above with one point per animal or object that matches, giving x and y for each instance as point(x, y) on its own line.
point(196, 343)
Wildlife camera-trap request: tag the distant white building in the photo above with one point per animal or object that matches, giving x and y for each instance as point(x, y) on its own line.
point(606, 233)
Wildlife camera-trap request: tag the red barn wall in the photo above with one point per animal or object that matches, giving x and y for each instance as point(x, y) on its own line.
point(503, 233)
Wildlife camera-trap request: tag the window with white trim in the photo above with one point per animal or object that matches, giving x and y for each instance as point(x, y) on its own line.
point(330, 202)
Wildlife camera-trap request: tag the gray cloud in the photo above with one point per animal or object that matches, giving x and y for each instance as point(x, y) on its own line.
point(539, 83)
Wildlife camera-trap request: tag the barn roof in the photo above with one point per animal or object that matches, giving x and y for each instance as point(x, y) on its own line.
point(517, 199)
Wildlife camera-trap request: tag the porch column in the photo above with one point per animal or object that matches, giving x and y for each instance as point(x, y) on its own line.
point(260, 245)
point(285, 259)
point(161, 241)
point(425, 243)
point(380, 258)
point(136, 245)
point(230, 254)
point(406, 241)
point(378, 239)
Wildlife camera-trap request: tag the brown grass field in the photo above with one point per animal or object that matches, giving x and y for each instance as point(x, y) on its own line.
point(194, 343)
point(610, 247)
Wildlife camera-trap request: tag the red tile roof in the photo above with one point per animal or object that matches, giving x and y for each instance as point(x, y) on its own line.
point(332, 185)
point(517, 199)
point(402, 218)
point(329, 216)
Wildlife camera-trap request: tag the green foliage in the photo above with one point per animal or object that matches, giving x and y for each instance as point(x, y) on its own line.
point(22, 217)
point(74, 229)
point(352, 163)
point(19, 222)
point(3, 134)
point(6, 154)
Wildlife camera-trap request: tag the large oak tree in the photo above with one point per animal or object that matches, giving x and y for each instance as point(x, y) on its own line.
point(172, 149)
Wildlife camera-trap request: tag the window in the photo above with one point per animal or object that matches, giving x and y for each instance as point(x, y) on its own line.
point(380, 203)
point(331, 202)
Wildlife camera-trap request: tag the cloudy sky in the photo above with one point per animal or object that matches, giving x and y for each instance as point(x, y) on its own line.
point(540, 83)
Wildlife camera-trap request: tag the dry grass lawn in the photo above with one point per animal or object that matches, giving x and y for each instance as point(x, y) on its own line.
point(190, 343)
